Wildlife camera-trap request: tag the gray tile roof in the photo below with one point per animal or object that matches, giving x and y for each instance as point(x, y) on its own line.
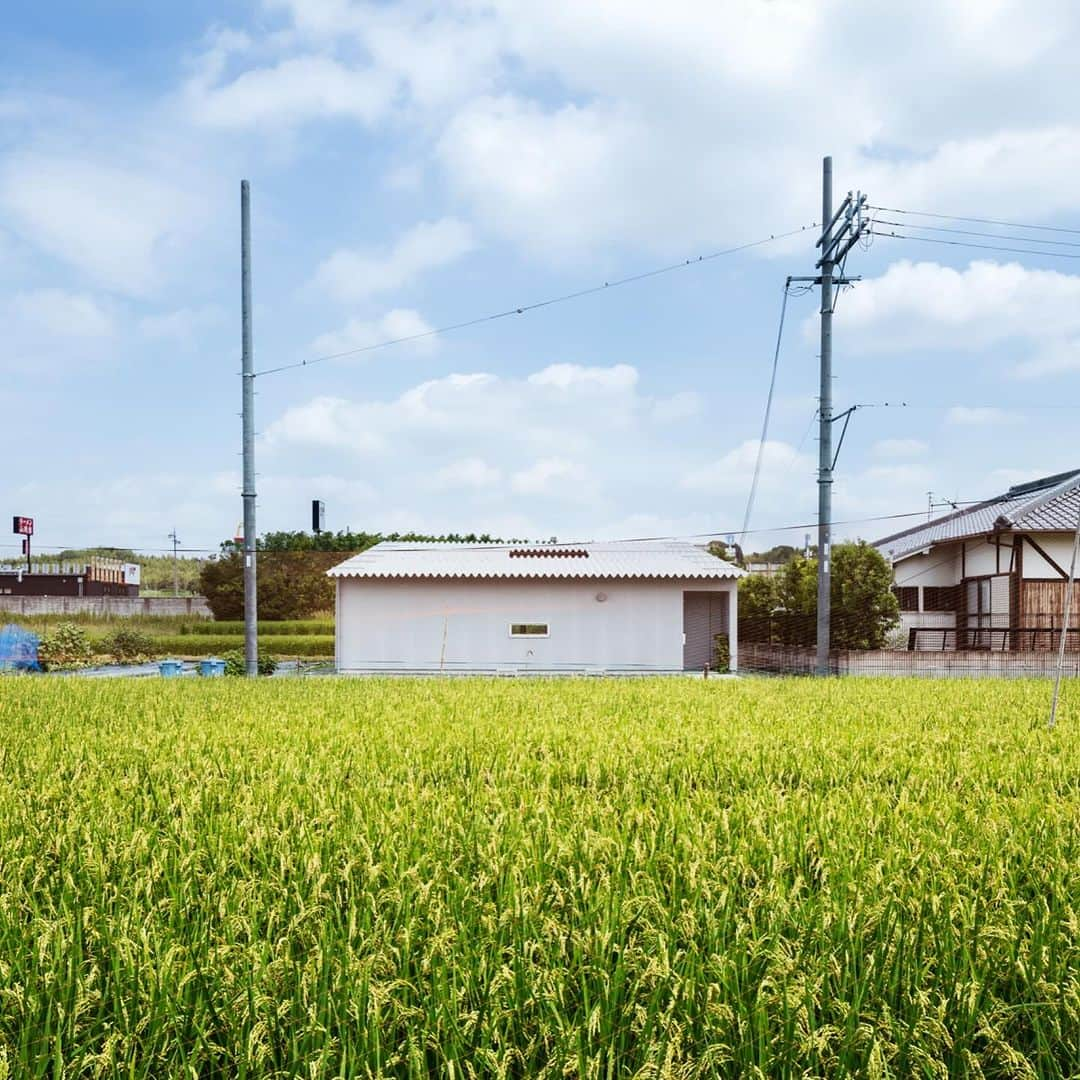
point(1047, 505)
point(625, 559)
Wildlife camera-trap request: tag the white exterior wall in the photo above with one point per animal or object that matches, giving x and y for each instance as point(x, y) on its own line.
point(464, 625)
point(1057, 545)
point(980, 558)
point(940, 566)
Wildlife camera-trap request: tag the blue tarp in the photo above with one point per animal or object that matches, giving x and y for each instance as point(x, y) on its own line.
point(18, 649)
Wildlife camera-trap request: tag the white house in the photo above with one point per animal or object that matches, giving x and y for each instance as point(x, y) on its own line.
point(993, 575)
point(619, 607)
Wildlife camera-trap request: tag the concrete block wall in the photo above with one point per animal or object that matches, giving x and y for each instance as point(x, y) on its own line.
point(110, 606)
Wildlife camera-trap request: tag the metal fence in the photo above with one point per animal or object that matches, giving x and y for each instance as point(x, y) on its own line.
point(785, 645)
point(770, 659)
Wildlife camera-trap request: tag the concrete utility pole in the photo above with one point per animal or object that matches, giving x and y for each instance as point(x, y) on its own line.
point(175, 565)
point(247, 377)
point(824, 579)
point(842, 228)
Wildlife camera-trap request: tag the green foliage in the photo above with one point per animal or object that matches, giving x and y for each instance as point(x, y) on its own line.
point(236, 665)
point(567, 878)
point(287, 627)
point(234, 662)
point(280, 645)
point(782, 607)
point(781, 553)
point(721, 653)
point(865, 606)
point(129, 645)
point(292, 571)
point(68, 646)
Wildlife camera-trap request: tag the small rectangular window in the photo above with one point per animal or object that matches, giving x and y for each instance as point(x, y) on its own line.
point(529, 629)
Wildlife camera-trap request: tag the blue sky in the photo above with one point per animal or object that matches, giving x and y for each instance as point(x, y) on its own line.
point(416, 164)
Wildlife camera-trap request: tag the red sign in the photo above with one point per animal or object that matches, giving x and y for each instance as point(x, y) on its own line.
point(22, 526)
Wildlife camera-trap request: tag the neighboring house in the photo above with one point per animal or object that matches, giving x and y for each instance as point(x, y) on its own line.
point(98, 577)
point(993, 575)
point(620, 607)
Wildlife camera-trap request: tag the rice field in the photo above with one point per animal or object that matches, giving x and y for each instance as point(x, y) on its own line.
point(562, 878)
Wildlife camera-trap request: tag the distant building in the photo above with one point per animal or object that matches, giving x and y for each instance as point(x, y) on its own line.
point(98, 577)
point(619, 607)
point(768, 569)
point(993, 575)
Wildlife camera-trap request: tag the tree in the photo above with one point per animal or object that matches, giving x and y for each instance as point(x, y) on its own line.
point(864, 606)
point(783, 608)
point(292, 581)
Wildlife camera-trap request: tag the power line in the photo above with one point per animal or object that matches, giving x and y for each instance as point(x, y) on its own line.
point(508, 545)
point(551, 301)
point(970, 244)
point(768, 411)
point(977, 232)
point(976, 220)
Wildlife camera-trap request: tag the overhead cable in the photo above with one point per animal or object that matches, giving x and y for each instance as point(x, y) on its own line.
point(551, 301)
point(768, 411)
point(976, 220)
point(512, 544)
point(978, 232)
point(969, 244)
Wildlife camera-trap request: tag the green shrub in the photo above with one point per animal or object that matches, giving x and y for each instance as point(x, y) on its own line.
point(128, 645)
point(236, 665)
point(721, 653)
point(66, 647)
point(234, 662)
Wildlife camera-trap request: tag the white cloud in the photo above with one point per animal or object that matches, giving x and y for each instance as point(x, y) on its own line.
point(470, 472)
point(551, 476)
point(731, 474)
point(324, 422)
point(564, 407)
point(350, 276)
point(978, 415)
point(183, 324)
point(899, 448)
point(572, 127)
point(925, 306)
point(358, 334)
point(620, 377)
point(295, 89)
point(112, 222)
point(681, 406)
point(62, 314)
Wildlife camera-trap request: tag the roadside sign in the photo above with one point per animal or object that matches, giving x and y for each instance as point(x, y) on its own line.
point(22, 526)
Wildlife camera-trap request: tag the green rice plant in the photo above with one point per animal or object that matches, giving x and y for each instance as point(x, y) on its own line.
point(526, 878)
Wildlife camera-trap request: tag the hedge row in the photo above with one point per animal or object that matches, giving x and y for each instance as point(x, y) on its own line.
point(293, 628)
point(276, 644)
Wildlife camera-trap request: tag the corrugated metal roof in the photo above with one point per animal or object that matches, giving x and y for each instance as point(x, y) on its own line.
point(1048, 505)
point(626, 559)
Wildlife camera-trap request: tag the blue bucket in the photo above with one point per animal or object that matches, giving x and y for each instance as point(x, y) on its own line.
point(171, 668)
point(212, 668)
